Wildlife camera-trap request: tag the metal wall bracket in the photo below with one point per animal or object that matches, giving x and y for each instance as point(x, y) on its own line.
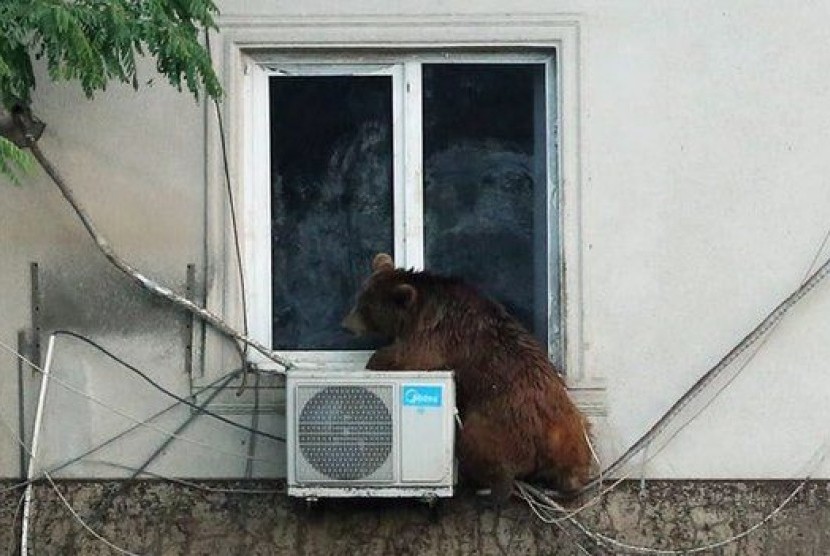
point(190, 320)
point(36, 311)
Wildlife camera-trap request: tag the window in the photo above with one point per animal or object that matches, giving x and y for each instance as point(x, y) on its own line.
point(450, 162)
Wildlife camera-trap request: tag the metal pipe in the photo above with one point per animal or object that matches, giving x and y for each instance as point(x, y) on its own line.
point(21, 412)
point(41, 403)
point(21, 421)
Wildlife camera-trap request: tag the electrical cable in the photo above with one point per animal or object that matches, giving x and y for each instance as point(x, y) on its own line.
point(83, 523)
point(538, 501)
point(234, 225)
point(636, 549)
point(15, 486)
point(558, 524)
point(817, 255)
point(165, 391)
point(593, 501)
point(129, 417)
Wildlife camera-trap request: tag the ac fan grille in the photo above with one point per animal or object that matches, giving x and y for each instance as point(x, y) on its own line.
point(344, 433)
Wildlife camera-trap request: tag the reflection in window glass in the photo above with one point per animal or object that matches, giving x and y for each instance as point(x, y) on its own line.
point(485, 182)
point(331, 201)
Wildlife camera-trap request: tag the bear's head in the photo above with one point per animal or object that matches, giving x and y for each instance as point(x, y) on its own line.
point(385, 302)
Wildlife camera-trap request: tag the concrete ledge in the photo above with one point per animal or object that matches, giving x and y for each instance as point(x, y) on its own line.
point(151, 517)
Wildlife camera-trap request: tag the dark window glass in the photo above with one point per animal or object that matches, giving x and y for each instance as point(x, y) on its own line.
point(485, 200)
point(331, 202)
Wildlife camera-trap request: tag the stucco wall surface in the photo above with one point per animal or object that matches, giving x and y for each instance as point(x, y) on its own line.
point(161, 518)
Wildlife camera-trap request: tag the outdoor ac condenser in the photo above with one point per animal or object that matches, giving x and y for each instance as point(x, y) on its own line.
point(370, 433)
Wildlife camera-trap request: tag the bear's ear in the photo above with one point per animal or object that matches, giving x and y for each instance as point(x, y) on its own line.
point(405, 295)
point(382, 262)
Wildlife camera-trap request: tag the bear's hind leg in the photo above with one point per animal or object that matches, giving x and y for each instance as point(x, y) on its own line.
point(482, 460)
point(565, 485)
point(568, 457)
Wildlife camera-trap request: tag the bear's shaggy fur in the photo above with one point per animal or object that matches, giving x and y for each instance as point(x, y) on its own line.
point(518, 421)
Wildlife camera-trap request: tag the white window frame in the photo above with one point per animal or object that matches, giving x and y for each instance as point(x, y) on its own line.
point(257, 205)
point(407, 124)
point(245, 38)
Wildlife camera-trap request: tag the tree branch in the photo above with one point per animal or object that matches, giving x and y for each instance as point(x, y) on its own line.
point(20, 126)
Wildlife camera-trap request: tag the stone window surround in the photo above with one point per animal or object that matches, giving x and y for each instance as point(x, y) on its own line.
point(242, 39)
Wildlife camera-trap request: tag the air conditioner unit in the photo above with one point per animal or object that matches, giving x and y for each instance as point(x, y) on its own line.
point(370, 433)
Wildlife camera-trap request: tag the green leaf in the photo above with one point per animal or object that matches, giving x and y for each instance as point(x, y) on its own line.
point(14, 160)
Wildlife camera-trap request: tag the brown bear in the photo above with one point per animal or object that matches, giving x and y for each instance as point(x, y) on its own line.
point(517, 419)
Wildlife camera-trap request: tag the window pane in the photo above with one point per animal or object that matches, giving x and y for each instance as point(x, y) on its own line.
point(331, 201)
point(485, 194)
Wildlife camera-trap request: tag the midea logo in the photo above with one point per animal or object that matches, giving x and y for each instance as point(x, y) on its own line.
point(422, 396)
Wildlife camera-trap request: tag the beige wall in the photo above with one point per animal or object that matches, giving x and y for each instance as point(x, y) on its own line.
point(703, 201)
